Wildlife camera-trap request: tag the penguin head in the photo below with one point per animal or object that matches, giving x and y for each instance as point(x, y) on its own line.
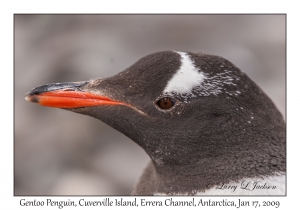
point(179, 107)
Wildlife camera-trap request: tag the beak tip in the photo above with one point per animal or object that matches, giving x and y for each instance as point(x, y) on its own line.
point(31, 99)
point(27, 98)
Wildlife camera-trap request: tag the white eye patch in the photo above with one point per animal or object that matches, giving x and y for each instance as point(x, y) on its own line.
point(190, 82)
point(186, 78)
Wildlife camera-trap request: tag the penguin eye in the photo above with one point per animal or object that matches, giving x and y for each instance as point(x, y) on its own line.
point(165, 103)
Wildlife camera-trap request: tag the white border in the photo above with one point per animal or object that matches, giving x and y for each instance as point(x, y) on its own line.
point(8, 8)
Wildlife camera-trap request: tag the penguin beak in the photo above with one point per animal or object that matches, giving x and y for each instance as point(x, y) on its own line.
point(67, 95)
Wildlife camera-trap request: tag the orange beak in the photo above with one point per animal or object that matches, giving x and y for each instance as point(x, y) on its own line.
point(67, 95)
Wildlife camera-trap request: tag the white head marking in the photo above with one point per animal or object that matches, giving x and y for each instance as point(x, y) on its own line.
point(190, 81)
point(186, 78)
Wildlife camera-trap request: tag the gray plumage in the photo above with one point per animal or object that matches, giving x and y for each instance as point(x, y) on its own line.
point(223, 130)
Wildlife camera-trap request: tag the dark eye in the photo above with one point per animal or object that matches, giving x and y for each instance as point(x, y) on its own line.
point(165, 103)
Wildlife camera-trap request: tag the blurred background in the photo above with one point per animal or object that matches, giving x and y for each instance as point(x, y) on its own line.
point(62, 153)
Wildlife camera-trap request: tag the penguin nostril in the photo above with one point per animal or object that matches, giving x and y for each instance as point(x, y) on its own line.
point(165, 103)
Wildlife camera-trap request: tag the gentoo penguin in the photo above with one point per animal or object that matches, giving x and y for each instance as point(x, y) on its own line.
point(207, 127)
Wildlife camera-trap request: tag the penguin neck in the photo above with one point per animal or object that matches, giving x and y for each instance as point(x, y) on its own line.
point(208, 172)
